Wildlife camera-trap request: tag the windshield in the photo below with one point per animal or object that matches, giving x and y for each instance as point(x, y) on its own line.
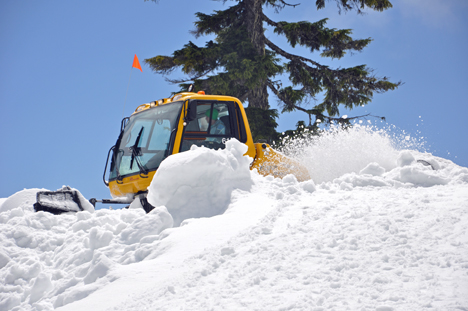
point(145, 141)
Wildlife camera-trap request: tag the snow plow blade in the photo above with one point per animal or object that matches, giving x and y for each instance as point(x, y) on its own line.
point(57, 202)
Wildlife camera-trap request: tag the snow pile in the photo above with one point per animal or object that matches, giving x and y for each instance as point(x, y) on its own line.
point(26, 197)
point(408, 172)
point(384, 233)
point(377, 244)
point(369, 249)
point(67, 257)
point(184, 183)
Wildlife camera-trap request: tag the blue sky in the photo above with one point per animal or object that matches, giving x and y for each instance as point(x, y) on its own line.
point(65, 68)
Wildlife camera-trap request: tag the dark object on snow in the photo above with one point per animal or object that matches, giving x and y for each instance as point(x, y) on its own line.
point(146, 205)
point(57, 202)
point(425, 163)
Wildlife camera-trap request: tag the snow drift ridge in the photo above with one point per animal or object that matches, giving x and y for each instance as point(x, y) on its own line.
point(382, 236)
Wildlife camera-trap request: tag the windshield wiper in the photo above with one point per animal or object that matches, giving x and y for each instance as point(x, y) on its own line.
point(136, 152)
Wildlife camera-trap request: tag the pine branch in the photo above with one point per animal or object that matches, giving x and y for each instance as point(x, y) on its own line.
point(217, 22)
point(278, 7)
point(358, 5)
point(356, 78)
point(316, 35)
point(298, 58)
point(193, 60)
point(318, 113)
point(283, 98)
point(287, 4)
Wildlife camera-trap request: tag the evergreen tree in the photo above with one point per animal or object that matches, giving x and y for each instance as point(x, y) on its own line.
point(243, 62)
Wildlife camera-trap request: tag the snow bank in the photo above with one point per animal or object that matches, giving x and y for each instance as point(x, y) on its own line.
point(364, 241)
point(25, 198)
point(387, 232)
point(199, 183)
point(367, 249)
point(408, 172)
point(47, 261)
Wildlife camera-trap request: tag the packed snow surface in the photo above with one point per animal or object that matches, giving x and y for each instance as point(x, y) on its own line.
point(375, 229)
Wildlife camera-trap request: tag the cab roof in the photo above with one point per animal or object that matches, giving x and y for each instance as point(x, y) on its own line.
point(183, 97)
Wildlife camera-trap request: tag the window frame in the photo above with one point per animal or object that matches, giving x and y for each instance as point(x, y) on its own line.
point(203, 135)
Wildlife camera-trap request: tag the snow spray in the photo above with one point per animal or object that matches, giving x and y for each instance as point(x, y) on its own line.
point(337, 151)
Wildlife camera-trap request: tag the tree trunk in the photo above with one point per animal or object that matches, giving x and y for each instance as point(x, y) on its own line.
point(257, 97)
point(254, 24)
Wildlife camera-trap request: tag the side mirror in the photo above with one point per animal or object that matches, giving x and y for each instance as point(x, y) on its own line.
point(191, 111)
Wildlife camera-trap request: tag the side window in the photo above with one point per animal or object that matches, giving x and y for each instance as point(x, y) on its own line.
point(211, 128)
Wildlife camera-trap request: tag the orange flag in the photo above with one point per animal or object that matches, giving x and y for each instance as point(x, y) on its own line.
point(136, 63)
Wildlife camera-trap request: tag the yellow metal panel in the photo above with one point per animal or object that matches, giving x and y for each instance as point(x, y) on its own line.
point(130, 185)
